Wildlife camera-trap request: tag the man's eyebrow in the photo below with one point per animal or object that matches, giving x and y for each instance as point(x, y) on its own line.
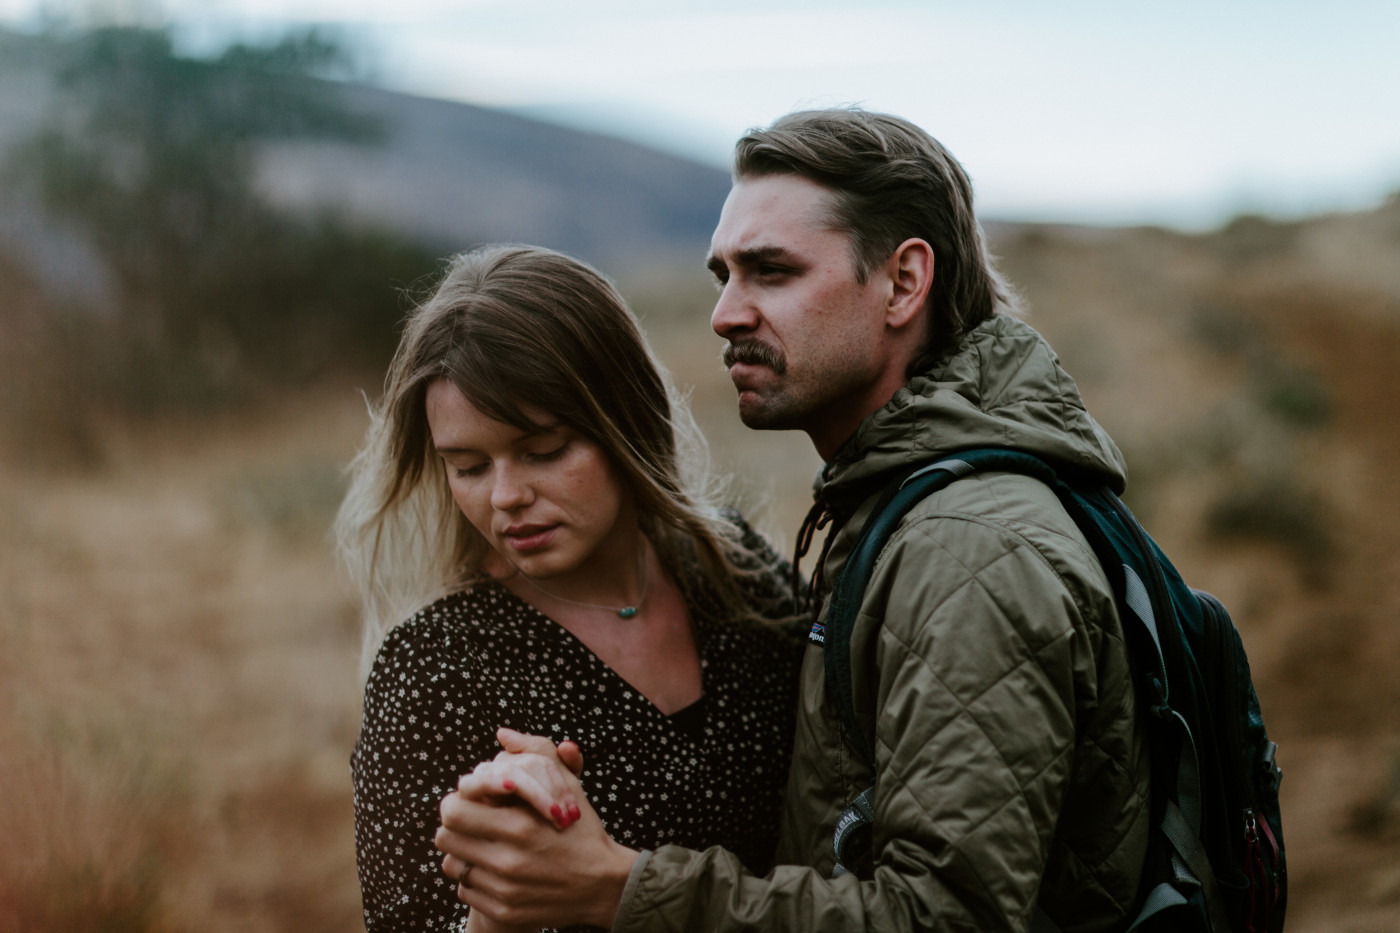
point(748, 257)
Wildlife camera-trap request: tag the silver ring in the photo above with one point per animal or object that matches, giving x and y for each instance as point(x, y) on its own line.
point(462, 878)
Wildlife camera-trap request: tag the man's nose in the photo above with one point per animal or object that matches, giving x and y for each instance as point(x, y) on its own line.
point(733, 312)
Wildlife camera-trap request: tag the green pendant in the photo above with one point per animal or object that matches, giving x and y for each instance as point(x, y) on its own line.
point(627, 612)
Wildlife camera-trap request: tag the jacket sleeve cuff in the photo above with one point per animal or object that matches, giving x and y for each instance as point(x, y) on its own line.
point(624, 906)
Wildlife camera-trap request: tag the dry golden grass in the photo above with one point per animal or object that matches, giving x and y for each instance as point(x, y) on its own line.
point(179, 691)
point(178, 694)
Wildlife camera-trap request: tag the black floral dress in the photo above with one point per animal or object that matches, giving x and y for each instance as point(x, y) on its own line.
point(445, 680)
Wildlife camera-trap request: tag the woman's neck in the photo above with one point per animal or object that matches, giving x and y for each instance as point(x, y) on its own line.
point(615, 582)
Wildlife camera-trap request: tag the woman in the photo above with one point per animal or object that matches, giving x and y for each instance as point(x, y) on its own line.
point(522, 489)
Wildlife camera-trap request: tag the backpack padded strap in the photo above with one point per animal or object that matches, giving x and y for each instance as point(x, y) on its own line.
point(849, 591)
point(1189, 849)
point(1163, 897)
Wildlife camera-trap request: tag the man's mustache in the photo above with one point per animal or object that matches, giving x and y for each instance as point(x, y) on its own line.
point(754, 352)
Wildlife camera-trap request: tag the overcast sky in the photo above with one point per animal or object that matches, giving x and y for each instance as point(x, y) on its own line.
point(1078, 110)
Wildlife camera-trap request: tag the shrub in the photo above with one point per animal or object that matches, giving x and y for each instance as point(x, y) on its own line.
point(1293, 395)
point(1278, 512)
point(215, 295)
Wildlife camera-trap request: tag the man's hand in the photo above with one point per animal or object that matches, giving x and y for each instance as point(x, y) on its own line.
point(523, 870)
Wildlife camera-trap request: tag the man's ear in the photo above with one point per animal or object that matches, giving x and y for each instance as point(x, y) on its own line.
point(910, 269)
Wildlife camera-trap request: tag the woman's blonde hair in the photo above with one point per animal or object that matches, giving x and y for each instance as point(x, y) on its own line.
point(520, 329)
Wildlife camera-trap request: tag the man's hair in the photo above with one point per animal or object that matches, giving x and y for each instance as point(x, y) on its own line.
point(890, 182)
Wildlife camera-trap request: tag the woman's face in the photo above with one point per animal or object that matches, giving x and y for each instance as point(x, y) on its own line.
point(548, 502)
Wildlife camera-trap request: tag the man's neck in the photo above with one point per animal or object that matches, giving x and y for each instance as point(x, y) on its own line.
point(834, 426)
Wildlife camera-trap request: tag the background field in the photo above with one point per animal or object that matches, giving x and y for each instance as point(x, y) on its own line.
point(178, 692)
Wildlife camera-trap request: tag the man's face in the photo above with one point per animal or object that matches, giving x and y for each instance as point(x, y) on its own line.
point(805, 338)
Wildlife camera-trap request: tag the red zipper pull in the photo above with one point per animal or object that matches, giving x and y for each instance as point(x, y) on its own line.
point(1254, 869)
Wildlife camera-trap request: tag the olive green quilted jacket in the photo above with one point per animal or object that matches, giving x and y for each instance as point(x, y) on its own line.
point(988, 665)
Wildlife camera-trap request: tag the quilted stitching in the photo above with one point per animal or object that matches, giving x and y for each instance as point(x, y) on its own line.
point(1062, 808)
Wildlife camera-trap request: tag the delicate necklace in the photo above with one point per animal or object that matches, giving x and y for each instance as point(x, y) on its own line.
point(623, 612)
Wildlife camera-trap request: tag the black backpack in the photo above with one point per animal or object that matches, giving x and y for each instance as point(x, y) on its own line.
point(1215, 861)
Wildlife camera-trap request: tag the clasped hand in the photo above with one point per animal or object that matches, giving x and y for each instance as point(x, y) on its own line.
point(525, 845)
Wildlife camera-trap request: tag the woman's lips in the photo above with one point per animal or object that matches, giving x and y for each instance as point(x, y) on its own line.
point(527, 538)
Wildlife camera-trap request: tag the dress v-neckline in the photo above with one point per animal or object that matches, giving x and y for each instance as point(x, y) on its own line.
point(698, 632)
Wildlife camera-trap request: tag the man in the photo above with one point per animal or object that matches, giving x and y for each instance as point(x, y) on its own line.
point(860, 305)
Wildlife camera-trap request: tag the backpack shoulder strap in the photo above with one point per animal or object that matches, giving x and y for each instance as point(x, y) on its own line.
point(834, 634)
point(852, 838)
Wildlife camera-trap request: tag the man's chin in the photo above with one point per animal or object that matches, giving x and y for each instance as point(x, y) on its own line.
point(760, 414)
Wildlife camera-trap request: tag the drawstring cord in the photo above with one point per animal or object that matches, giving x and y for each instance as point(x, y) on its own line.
point(818, 517)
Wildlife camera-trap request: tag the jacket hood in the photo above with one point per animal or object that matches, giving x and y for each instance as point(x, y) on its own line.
point(1002, 387)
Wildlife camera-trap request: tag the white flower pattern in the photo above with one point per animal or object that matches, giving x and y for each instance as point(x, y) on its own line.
point(697, 778)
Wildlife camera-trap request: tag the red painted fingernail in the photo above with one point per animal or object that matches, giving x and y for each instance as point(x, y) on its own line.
point(574, 813)
point(508, 785)
point(556, 812)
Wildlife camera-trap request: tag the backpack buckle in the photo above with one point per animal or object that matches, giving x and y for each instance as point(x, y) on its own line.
point(1272, 772)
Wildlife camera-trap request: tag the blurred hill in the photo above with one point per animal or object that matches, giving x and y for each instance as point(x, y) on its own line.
point(455, 174)
point(447, 174)
point(184, 234)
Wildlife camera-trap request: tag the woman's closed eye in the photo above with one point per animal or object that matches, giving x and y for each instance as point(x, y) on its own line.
point(549, 455)
point(463, 470)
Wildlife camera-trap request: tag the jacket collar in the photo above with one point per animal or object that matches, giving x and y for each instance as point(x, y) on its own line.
point(1002, 386)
